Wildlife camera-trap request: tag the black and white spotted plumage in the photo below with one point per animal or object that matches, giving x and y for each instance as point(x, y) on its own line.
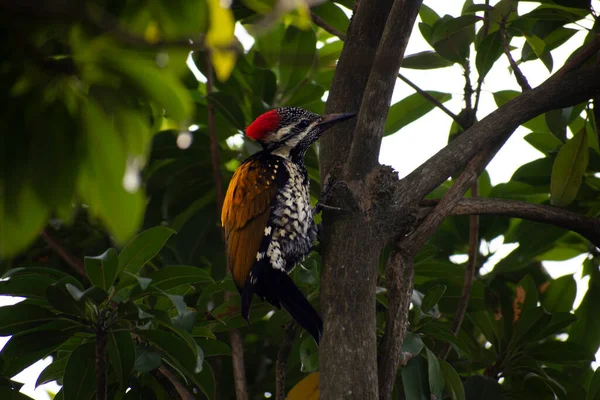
point(267, 214)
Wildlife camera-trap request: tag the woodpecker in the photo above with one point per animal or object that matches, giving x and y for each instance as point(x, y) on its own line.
point(267, 215)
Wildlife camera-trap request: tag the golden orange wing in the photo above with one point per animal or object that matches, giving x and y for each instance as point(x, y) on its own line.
point(245, 214)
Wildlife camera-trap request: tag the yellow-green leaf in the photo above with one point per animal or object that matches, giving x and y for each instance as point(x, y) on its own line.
point(19, 227)
point(567, 171)
point(306, 389)
point(220, 35)
point(536, 44)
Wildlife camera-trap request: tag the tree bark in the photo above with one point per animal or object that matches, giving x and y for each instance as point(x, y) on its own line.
point(399, 276)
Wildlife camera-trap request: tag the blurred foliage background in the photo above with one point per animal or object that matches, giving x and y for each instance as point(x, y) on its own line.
point(107, 117)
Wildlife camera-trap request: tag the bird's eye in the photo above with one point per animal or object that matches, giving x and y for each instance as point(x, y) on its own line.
point(303, 124)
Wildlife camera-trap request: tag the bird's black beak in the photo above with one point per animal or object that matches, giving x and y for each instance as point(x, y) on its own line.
point(332, 119)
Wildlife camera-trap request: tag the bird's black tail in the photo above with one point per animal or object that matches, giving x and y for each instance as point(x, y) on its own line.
point(292, 299)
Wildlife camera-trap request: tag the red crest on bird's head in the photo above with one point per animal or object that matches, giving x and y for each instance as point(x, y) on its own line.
point(267, 122)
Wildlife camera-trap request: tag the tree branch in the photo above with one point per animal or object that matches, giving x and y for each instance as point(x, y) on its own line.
point(421, 234)
point(576, 86)
point(320, 22)
point(463, 302)
point(587, 227)
point(181, 389)
point(101, 338)
point(399, 273)
point(349, 346)
point(579, 57)
point(350, 79)
point(282, 356)
point(521, 79)
point(374, 108)
point(72, 261)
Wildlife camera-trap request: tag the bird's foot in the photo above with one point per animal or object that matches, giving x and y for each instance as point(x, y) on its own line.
point(327, 194)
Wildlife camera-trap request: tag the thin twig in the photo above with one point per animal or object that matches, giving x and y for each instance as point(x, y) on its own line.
point(282, 356)
point(432, 100)
point(320, 22)
point(72, 261)
point(463, 303)
point(596, 114)
point(181, 389)
point(235, 337)
point(101, 338)
point(468, 92)
point(419, 237)
point(521, 79)
point(484, 32)
point(214, 141)
point(587, 227)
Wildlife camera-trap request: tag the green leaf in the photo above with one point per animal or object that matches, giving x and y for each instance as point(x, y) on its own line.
point(451, 37)
point(536, 44)
point(23, 350)
point(452, 380)
point(21, 317)
point(203, 332)
point(183, 359)
point(185, 321)
point(414, 379)
point(59, 298)
point(333, 15)
point(121, 352)
point(557, 352)
point(21, 225)
point(412, 345)
point(159, 85)
point(213, 348)
point(52, 372)
point(489, 51)
point(526, 294)
point(492, 329)
point(428, 15)
point(560, 294)
point(309, 355)
point(586, 330)
point(593, 391)
point(545, 142)
point(146, 359)
point(432, 297)
point(175, 276)
point(557, 120)
point(30, 286)
point(425, 60)
point(179, 304)
point(80, 379)
point(476, 385)
point(172, 346)
point(8, 393)
point(558, 324)
point(410, 109)
point(143, 248)
point(567, 170)
point(100, 181)
point(436, 381)
point(297, 59)
point(532, 321)
point(229, 108)
point(102, 270)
